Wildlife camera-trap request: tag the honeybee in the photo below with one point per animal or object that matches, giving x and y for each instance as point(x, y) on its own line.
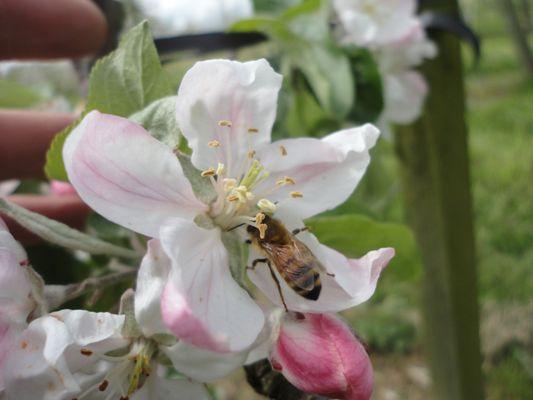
point(296, 264)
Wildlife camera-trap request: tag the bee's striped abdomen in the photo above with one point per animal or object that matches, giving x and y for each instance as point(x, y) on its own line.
point(305, 281)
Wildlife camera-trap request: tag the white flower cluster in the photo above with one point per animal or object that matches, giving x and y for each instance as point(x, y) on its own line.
point(191, 319)
point(393, 32)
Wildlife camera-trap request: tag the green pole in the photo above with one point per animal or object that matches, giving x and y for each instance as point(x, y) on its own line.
point(433, 155)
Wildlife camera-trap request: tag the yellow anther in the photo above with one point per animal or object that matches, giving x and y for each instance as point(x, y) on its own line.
point(251, 154)
point(259, 218)
point(213, 143)
point(296, 195)
point(233, 197)
point(225, 123)
point(283, 150)
point(266, 206)
point(249, 196)
point(253, 130)
point(221, 169)
point(208, 172)
point(286, 180)
point(262, 230)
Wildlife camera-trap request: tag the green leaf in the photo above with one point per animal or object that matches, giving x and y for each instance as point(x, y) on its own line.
point(159, 118)
point(16, 95)
point(54, 166)
point(304, 114)
point(130, 78)
point(238, 256)
point(368, 88)
point(354, 235)
point(328, 72)
point(61, 234)
point(202, 187)
point(122, 83)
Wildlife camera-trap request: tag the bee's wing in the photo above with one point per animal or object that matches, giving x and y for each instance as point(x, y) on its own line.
point(296, 264)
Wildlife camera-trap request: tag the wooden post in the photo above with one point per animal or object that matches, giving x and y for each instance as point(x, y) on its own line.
point(433, 154)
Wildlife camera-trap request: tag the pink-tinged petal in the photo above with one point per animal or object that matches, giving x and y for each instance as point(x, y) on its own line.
point(151, 281)
point(244, 95)
point(126, 175)
point(318, 353)
point(202, 304)
point(203, 365)
point(326, 171)
point(353, 283)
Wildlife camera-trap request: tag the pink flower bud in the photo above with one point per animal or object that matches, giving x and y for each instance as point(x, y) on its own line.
point(318, 353)
point(61, 188)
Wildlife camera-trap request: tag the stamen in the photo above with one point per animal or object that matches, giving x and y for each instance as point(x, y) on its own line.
point(213, 143)
point(86, 352)
point(296, 194)
point(266, 206)
point(103, 386)
point(251, 154)
point(253, 130)
point(233, 197)
point(259, 218)
point(221, 169)
point(208, 172)
point(286, 180)
point(283, 150)
point(262, 230)
point(225, 123)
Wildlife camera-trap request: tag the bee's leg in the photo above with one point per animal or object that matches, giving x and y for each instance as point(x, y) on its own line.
point(330, 274)
point(277, 284)
point(257, 261)
point(299, 230)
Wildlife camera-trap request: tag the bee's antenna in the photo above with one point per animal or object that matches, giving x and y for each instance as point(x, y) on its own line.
point(235, 227)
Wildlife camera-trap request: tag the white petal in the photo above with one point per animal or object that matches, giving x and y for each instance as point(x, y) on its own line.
point(37, 368)
point(354, 282)
point(16, 300)
point(245, 94)
point(8, 187)
point(203, 365)
point(58, 353)
point(126, 175)
point(405, 93)
point(202, 304)
point(326, 171)
point(151, 281)
point(159, 388)
point(8, 242)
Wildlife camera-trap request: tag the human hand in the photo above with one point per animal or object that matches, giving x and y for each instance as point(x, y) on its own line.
point(42, 29)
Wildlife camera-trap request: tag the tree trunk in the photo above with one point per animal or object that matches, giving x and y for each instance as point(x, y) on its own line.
point(518, 34)
point(433, 154)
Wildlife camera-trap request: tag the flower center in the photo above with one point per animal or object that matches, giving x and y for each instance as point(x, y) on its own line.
point(241, 199)
point(129, 371)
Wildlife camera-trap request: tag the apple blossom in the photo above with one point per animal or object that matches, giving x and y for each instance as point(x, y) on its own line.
point(179, 17)
point(80, 354)
point(372, 23)
point(319, 354)
point(226, 110)
point(20, 294)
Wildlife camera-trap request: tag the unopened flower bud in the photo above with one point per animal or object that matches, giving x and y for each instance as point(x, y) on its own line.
point(318, 353)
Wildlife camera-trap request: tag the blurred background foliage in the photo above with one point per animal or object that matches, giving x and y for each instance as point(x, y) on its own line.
point(316, 101)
